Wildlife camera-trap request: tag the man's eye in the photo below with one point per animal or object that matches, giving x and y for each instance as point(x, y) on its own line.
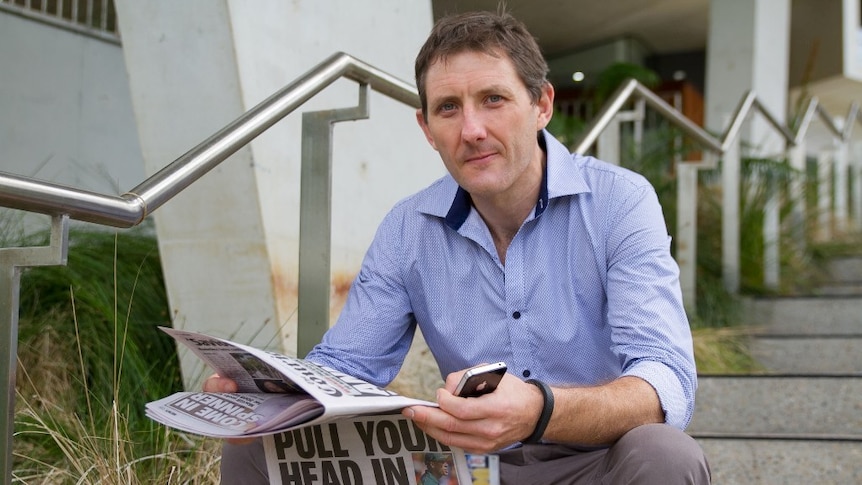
point(495, 98)
point(446, 107)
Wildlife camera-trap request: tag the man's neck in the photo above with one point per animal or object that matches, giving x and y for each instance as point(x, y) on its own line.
point(505, 213)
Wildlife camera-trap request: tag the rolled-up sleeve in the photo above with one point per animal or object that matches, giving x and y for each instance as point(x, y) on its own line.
point(650, 329)
point(676, 399)
point(376, 327)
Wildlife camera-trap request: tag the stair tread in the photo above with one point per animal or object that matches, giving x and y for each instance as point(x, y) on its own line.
point(810, 355)
point(771, 405)
point(808, 315)
point(783, 461)
point(801, 421)
point(844, 269)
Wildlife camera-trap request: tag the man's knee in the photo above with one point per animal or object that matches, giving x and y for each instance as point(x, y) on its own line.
point(245, 464)
point(657, 453)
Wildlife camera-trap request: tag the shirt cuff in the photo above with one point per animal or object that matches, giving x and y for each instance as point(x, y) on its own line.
point(675, 401)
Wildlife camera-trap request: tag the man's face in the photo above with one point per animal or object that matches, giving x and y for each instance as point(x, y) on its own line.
point(483, 123)
point(439, 468)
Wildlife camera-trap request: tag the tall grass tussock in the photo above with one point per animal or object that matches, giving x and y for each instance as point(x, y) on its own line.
point(90, 357)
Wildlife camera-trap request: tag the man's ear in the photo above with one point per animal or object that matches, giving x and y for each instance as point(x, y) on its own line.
point(420, 118)
point(546, 107)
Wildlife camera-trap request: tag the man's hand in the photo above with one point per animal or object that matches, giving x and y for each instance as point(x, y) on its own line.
point(216, 383)
point(481, 424)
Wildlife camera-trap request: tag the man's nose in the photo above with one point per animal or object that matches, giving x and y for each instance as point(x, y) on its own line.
point(473, 127)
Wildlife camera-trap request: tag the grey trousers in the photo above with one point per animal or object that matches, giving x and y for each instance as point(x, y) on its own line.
point(650, 454)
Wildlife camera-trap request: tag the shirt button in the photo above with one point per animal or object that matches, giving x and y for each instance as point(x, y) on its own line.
point(526, 373)
point(516, 315)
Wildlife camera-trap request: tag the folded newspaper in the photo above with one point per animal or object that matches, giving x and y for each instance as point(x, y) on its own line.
point(382, 449)
point(276, 393)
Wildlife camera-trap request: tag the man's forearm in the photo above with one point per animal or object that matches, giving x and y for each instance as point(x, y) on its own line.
point(601, 415)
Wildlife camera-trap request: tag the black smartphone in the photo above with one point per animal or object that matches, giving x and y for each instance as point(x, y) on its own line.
point(481, 379)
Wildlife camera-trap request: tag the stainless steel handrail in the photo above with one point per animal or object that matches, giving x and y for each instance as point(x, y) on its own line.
point(633, 89)
point(728, 148)
point(64, 203)
point(618, 100)
point(134, 206)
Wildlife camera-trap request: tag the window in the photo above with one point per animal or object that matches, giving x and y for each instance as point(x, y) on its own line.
point(93, 17)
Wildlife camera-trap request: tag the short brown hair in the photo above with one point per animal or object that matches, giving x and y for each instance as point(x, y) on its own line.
point(489, 33)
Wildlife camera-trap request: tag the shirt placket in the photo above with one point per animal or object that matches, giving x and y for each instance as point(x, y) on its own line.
point(518, 314)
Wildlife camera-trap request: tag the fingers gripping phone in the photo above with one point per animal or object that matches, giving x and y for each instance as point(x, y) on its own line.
point(481, 379)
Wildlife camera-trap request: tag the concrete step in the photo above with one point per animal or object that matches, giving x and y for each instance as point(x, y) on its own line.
point(784, 462)
point(840, 276)
point(778, 406)
point(839, 315)
point(808, 355)
point(846, 269)
point(802, 421)
point(839, 289)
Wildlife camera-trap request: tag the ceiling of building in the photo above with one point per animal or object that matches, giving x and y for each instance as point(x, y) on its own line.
point(562, 27)
point(662, 26)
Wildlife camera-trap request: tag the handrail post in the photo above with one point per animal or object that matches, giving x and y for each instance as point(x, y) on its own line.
point(856, 189)
point(639, 115)
point(608, 143)
point(824, 194)
point(12, 260)
point(771, 234)
point(730, 169)
point(796, 156)
point(840, 173)
point(315, 220)
point(686, 232)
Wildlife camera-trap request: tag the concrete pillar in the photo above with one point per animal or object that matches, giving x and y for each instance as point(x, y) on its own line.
point(748, 49)
point(229, 242)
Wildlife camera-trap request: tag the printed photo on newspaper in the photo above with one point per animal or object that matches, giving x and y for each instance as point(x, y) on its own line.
point(383, 449)
point(275, 393)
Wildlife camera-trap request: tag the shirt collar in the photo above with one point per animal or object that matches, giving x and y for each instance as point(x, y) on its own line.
point(560, 178)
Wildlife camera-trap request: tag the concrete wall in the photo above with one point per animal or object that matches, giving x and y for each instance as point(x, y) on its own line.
point(65, 109)
point(229, 243)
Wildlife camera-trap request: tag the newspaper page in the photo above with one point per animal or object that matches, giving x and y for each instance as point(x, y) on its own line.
point(484, 469)
point(275, 393)
point(383, 449)
point(227, 415)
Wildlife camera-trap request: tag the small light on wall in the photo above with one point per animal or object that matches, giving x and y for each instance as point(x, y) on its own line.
point(678, 75)
point(578, 76)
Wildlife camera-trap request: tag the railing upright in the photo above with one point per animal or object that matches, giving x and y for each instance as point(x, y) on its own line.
point(12, 261)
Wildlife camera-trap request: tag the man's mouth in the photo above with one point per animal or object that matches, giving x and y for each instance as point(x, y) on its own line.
point(479, 157)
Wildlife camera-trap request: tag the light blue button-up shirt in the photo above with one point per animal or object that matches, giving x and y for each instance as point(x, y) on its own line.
point(589, 291)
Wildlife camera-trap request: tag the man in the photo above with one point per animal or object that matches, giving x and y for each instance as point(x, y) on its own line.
point(556, 264)
point(435, 469)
